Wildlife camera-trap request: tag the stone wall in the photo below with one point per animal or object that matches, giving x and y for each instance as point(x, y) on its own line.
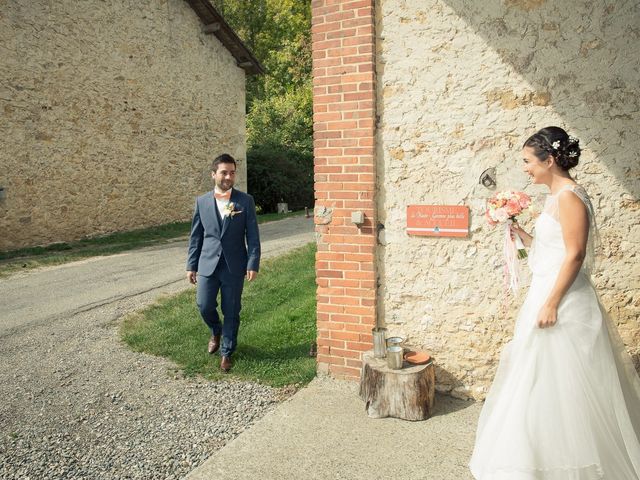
point(461, 85)
point(111, 115)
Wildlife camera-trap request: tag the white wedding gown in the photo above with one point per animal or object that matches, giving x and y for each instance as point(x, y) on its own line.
point(565, 402)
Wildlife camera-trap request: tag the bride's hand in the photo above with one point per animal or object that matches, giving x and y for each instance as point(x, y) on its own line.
point(547, 316)
point(517, 229)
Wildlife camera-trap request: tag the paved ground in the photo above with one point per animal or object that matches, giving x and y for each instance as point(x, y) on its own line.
point(323, 433)
point(52, 293)
point(79, 404)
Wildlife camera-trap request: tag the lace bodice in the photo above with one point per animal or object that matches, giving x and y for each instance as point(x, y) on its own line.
point(548, 249)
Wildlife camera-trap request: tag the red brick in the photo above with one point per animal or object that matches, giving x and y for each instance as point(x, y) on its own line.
point(327, 62)
point(328, 116)
point(343, 353)
point(323, 28)
point(361, 327)
point(329, 293)
point(357, 96)
point(339, 282)
point(327, 134)
point(343, 195)
point(335, 360)
point(353, 362)
point(343, 15)
point(357, 133)
point(341, 88)
point(343, 142)
point(323, 358)
point(342, 70)
point(363, 312)
point(365, 30)
point(329, 256)
point(341, 300)
point(357, 275)
point(342, 318)
point(340, 52)
point(355, 59)
point(359, 41)
point(342, 33)
point(352, 336)
point(345, 266)
point(325, 342)
point(357, 346)
point(332, 309)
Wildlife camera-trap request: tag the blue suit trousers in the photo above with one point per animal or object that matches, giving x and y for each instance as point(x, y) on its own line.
point(230, 288)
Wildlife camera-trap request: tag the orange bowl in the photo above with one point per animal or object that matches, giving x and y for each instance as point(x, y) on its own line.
point(417, 358)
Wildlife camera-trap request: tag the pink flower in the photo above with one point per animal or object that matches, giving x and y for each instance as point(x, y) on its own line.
point(513, 207)
point(523, 199)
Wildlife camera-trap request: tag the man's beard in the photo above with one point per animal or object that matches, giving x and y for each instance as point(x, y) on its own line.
point(224, 185)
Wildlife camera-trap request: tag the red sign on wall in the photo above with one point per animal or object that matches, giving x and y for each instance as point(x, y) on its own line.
point(438, 220)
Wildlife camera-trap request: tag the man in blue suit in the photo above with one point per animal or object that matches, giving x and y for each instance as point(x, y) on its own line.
point(224, 248)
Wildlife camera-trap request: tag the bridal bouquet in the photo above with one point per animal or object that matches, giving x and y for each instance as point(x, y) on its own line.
point(503, 208)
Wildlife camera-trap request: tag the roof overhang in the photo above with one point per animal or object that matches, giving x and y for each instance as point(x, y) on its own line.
point(214, 24)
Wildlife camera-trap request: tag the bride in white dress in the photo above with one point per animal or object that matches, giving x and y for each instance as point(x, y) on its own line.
point(565, 402)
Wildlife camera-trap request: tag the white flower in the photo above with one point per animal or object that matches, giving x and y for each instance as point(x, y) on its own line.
point(500, 215)
point(556, 144)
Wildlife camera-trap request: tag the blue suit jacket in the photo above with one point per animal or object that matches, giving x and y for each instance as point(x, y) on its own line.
point(209, 240)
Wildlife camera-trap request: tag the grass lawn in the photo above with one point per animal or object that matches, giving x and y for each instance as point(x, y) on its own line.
point(277, 326)
point(58, 253)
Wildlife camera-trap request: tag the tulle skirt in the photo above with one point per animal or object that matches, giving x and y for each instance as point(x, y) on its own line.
point(565, 402)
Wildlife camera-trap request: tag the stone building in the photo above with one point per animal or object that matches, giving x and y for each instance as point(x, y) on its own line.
point(413, 101)
point(112, 112)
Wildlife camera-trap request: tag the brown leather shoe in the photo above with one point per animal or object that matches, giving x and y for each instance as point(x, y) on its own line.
point(214, 344)
point(226, 364)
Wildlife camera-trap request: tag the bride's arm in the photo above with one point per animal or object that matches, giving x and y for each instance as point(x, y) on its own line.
point(574, 221)
point(524, 236)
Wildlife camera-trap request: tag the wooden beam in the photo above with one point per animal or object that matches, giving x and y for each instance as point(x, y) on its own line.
point(211, 28)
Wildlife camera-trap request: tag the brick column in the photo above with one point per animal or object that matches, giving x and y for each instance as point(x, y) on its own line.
point(344, 150)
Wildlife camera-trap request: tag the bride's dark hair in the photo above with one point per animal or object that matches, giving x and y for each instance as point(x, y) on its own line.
point(556, 142)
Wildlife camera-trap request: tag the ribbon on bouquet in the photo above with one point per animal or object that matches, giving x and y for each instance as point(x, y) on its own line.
point(510, 251)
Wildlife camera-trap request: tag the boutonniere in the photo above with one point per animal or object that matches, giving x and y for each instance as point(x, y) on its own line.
point(231, 210)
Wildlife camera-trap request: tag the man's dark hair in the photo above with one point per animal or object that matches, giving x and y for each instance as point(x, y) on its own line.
point(224, 158)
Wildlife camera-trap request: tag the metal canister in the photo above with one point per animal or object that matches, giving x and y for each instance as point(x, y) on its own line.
point(395, 342)
point(394, 357)
point(379, 342)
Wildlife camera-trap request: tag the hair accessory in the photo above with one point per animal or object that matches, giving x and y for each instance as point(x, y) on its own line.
point(556, 144)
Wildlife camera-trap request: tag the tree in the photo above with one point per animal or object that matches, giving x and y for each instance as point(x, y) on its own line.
point(279, 103)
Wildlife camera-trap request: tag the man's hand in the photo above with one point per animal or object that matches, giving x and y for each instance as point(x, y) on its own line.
point(192, 277)
point(251, 274)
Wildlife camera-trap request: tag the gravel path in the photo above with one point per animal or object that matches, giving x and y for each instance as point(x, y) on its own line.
point(77, 403)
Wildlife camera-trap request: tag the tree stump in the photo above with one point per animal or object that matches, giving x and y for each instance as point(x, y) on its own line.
point(407, 393)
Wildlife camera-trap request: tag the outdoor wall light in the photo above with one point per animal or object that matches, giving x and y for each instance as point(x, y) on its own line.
point(488, 178)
